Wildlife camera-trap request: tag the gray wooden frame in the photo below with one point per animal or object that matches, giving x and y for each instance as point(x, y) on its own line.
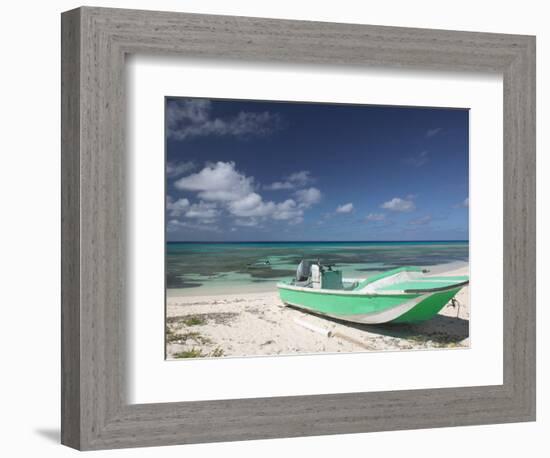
point(95, 413)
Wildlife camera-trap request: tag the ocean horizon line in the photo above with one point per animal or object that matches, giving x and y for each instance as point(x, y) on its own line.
point(318, 241)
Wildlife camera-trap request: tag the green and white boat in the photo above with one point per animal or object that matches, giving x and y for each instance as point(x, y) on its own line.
point(403, 295)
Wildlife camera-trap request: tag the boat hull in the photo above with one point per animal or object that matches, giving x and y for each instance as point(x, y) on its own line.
point(368, 309)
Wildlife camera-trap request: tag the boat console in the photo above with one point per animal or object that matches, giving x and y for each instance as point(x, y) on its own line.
point(318, 276)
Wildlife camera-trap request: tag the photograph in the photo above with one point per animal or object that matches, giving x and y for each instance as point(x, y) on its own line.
point(296, 228)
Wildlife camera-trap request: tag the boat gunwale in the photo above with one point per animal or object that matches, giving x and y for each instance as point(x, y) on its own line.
point(338, 292)
point(437, 290)
point(342, 292)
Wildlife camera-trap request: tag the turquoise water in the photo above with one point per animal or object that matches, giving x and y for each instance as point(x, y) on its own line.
point(223, 268)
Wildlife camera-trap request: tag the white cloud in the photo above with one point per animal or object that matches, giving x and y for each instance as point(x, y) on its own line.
point(433, 132)
point(398, 204)
point(419, 160)
point(194, 110)
point(294, 180)
point(249, 222)
point(423, 220)
point(345, 208)
point(222, 184)
point(193, 118)
point(287, 210)
point(203, 211)
point(375, 217)
point(297, 220)
point(176, 169)
point(308, 197)
point(279, 185)
point(300, 178)
point(256, 207)
point(251, 205)
point(177, 208)
point(249, 202)
point(217, 182)
point(464, 204)
point(175, 225)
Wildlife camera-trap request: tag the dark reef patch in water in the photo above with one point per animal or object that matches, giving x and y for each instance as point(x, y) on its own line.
point(267, 273)
point(185, 262)
point(177, 281)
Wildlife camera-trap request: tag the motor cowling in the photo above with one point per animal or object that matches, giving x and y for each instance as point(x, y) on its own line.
point(303, 272)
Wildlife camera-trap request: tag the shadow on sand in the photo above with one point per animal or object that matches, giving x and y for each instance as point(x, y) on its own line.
point(440, 329)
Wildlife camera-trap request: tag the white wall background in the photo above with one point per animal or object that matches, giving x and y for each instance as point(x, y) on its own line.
point(29, 233)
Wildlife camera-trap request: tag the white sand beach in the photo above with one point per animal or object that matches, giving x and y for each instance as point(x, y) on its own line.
point(259, 324)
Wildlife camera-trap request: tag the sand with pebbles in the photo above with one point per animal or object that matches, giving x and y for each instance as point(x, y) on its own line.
point(259, 324)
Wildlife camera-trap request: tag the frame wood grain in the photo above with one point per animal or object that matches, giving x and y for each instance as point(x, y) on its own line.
point(95, 412)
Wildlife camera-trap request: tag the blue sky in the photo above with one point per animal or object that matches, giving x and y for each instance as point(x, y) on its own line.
point(270, 171)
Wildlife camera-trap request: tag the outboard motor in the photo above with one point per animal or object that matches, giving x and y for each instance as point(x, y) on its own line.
point(303, 271)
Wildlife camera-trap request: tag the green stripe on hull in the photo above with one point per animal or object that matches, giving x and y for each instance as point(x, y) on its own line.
point(428, 308)
point(341, 304)
point(417, 284)
point(456, 278)
point(346, 306)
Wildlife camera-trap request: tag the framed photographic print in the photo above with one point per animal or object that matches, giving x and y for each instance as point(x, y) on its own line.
point(335, 220)
point(356, 215)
